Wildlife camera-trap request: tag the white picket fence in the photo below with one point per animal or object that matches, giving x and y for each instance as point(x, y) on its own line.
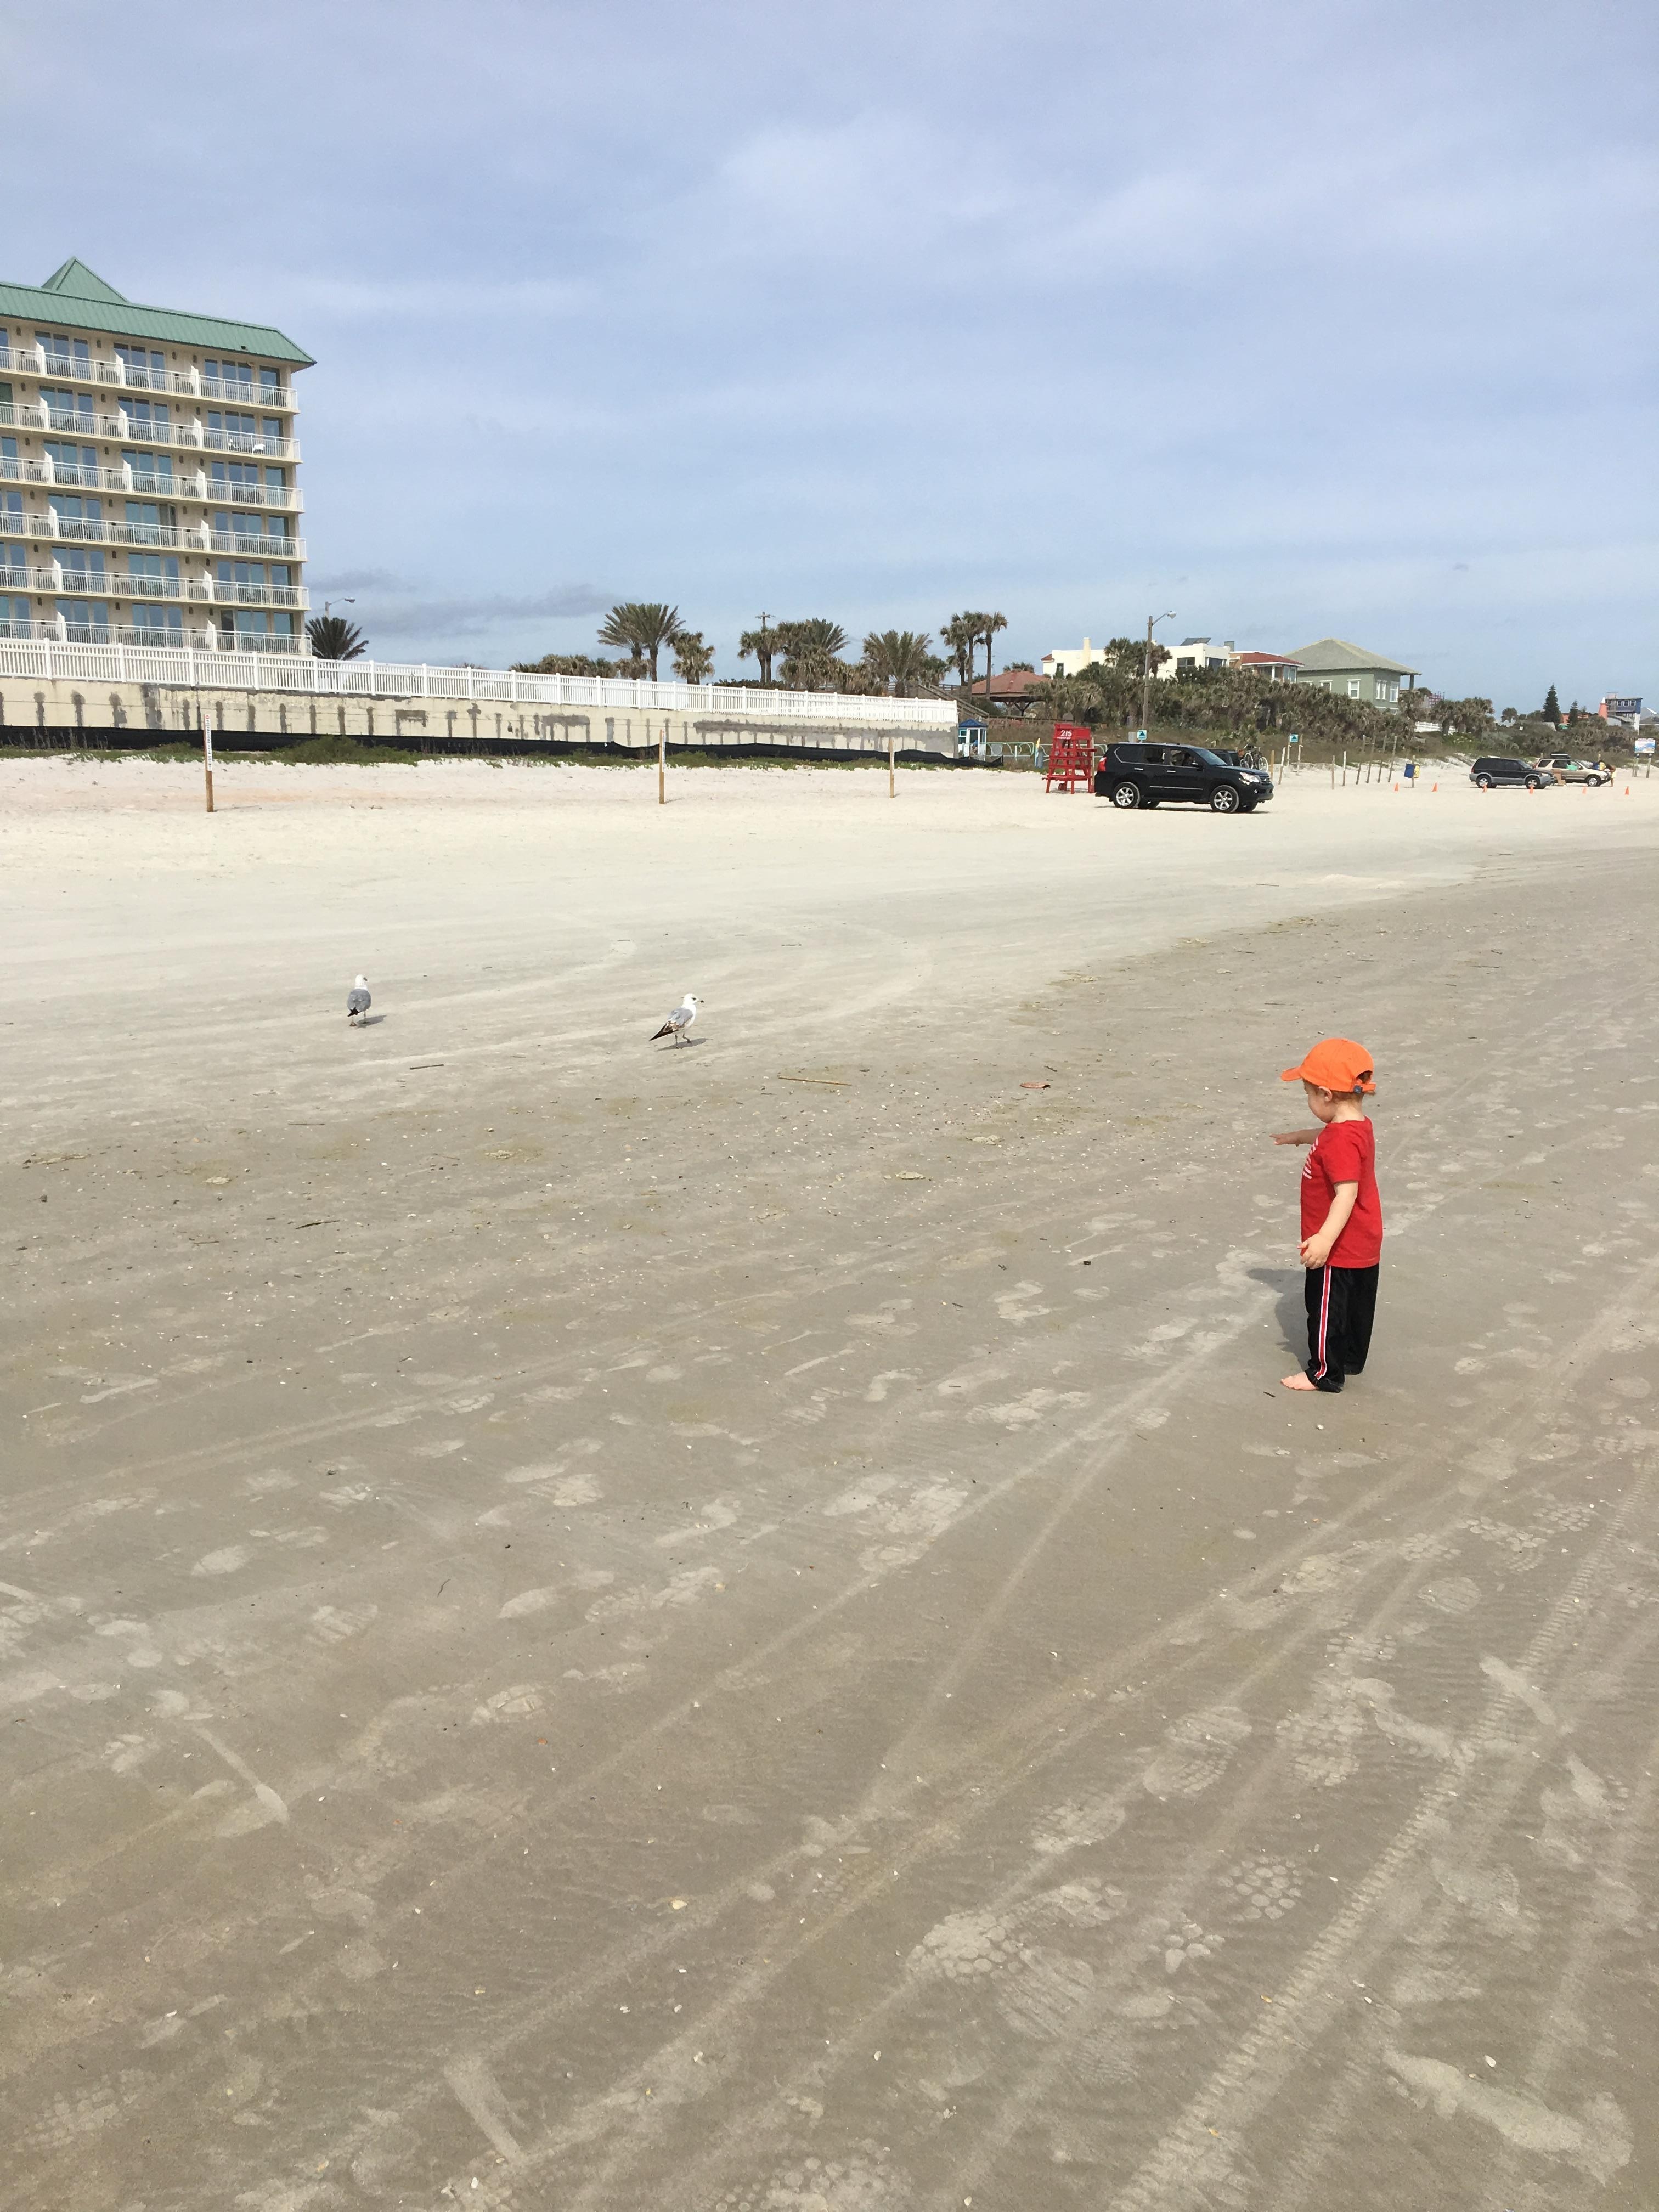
point(176, 668)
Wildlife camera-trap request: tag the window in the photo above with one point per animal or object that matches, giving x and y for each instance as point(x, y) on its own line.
point(12, 556)
point(11, 511)
point(152, 574)
point(71, 463)
point(8, 457)
point(145, 517)
point(67, 410)
point(1353, 687)
point(275, 479)
point(271, 387)
point(231, 372)
point(232, 477)
point(242, 431)
point(150, 471)
point(83, 567)
point(65, 356)
point(153, 625)
point(143, 365)
point(77, 517)
point(14, 616)
point(148, 418)
point(270, 425)
point(87, 621)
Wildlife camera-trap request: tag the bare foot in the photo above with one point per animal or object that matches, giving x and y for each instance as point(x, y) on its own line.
point(1297, 1381)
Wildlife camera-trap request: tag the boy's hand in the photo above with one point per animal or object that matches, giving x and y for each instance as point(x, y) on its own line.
point(1317, 1250)
point(1295, 1136)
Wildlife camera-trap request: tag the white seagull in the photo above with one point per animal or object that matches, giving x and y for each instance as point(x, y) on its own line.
point(679, 1022)
point(357, 1000)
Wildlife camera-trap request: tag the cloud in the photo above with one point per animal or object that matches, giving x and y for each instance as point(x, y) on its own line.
point(470, 617)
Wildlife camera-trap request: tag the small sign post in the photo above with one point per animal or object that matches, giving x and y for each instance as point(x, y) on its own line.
point(207, 756)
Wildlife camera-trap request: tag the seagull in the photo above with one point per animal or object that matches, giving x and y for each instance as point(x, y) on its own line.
point(678, 1022)
point(357, 1000)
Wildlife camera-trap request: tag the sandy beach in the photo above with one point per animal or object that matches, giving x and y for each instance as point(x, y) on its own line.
point(750, 1628)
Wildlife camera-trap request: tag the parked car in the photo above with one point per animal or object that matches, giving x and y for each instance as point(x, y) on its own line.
point(1147, 775)
point(1498, 771)
point(1565, 769)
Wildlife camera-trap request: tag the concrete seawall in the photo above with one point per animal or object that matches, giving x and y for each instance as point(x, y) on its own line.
point(57, 710)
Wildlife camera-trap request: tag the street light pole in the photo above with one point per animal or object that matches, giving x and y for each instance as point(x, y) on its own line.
point(1146, 671)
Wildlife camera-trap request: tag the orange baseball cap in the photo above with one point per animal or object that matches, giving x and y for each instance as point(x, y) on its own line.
point(1335, 1064)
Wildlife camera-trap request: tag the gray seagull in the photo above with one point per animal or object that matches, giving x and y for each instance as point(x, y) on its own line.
point(679, 1023)
point(357, 1000)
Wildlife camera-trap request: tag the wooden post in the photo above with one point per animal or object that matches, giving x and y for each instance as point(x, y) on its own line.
point(207, 751)
point(662, 765)
point(890, 792)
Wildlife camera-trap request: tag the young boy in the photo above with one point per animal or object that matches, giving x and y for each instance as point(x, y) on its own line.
point(1342, 1213)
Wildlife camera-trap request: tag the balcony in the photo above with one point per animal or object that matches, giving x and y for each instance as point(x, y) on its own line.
point(67, 580)
point(254, 595)
point(204, 641)
point(259, 641)
point(168, 536)
point(67, 476)
point(188, 435)
point(187, 383)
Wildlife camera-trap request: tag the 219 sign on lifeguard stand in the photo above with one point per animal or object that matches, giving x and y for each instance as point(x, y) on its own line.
point(1070, 758)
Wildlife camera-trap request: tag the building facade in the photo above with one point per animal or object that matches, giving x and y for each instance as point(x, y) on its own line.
point(148, 473)
point(1068, 660)
point(1192, 655)
point(1353, 672)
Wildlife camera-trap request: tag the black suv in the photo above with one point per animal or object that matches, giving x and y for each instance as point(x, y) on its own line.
point(1499, 770)
point(1146, 775)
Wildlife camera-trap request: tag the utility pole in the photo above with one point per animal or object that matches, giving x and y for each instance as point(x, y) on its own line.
point(1146, 671)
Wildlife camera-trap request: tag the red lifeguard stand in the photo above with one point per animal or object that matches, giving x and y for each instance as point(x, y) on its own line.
point(1070, 758)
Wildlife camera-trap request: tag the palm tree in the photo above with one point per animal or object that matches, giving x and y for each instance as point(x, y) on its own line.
point(988, 627)
point(693, 659)
point(762, 643)
point(809, 649)
point(644, 626)
point(333, 638)
point(959, 636)
point(900, 658)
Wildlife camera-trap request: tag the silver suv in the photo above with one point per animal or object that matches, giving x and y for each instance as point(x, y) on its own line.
point(1565, 769)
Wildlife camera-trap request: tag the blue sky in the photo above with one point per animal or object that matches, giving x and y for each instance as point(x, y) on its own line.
point(1300, 319)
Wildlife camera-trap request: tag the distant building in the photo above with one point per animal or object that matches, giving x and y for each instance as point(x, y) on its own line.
point(1066, 661)
point(148, 480)
point(1277, 667)
point(1614, 708)
point(1192, 653)
point(1352, 672)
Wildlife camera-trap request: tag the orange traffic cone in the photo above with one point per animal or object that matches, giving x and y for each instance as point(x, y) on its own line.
point(1434, 786)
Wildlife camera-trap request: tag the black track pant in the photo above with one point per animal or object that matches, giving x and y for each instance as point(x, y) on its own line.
point(1341, 1306)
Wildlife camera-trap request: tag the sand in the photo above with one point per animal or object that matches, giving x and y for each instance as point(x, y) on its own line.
point(592, 1625)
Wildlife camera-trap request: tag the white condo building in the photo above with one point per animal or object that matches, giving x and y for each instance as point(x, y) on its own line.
point(148, 473)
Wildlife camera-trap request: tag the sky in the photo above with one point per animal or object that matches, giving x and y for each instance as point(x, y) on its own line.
point(1296, 321)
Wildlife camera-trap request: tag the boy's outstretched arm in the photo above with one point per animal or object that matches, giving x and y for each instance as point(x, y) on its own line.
point(1316, 1249)
point(1296, 1136)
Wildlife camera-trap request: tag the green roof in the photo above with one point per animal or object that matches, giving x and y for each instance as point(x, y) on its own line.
point(1335, 656)
point(75, 298)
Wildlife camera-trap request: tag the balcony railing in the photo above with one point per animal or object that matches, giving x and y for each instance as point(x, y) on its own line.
point(188, 383)
point(208, 644)
point(190, 538)
point(66, 580)
point(77, 475)
point(134, 430)
point(256, 595)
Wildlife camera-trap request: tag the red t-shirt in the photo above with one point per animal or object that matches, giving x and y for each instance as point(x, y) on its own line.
point(1345, 1151)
